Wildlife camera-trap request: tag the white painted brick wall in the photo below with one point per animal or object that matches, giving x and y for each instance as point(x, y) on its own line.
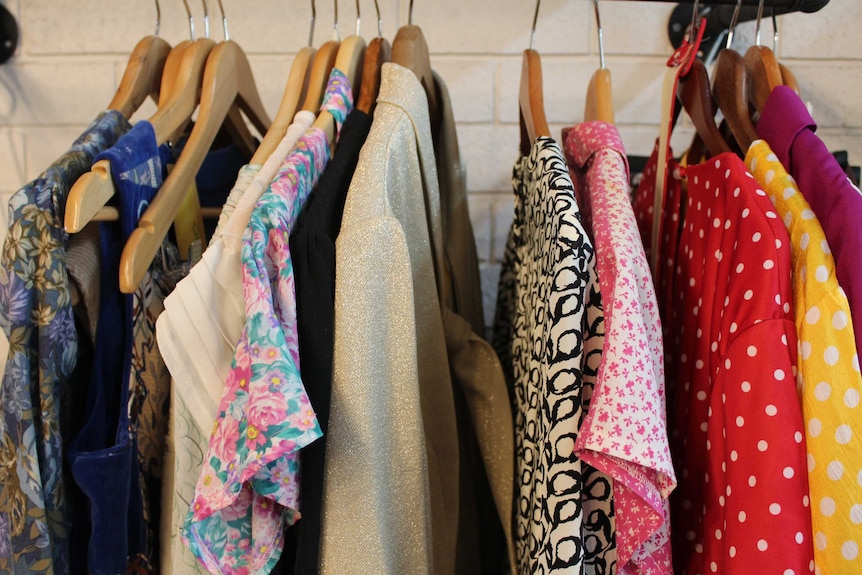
point(73, 52)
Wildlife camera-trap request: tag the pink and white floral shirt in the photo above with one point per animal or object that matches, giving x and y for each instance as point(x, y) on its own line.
point(624, 433)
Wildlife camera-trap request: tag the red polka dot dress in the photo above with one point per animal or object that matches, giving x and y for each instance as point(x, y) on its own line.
point(742, 500)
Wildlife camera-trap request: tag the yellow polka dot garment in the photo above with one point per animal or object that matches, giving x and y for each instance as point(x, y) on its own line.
point(828, 374)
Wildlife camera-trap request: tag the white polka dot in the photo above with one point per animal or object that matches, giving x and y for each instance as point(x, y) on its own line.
point(814, 427)
point(753, 164)
point(839, 320)
point(733, 327)
point(727, 363)
point(811, 463)
point(732, 551)
point(734, 455)
point(797, 437)
point(843, 434)
point(740, 421)
point(807, 215)
point(771, 410)
point(698, 548)
point(821, 274)
point(827, 506)
point(748, 295)
point(851, 398)
point(736, 193)
point(855, 362)
point(830, 356)
point(713, 566)
point(741, 516)
point(756, 237)
point(850, 550)
point(762, 545)
point(824, 247)
point(805, 501)
point(721, 500)
point(856, 514)
point(701, 395)
point(835, 470)
point(788, 192)
point(778, 244)
point(699, 364)
point(820, 540)
point(771, 215)
point(714, 346)
point(752, 481)
point(769, 176)
point(739, 268)
point(788, 217)
point(716, 223)
point(745, 212)
point(746, 386)
point(786, 309)
point(718, 535)
point(778, 374)
point(800, 537)
point(775, 509)
point(822, 391)
point(805, 350)
point(788, 473)
point(771, 158)
point(803, 241)
point(762, 445)
point(752, 351)
point(812, 316)
point(704, 426)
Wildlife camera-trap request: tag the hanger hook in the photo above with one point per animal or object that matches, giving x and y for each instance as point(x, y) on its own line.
point(757, 28)
point(379, 20)
point(601, 35)
point(158, 18)
point(335, 21)
point(191, 19)
point(733, 21)
point(535, 19)
point(206, 19)
point(695, 11)
point(774, 32)
point(357, 17)
point(311, 28)
point(223, 21)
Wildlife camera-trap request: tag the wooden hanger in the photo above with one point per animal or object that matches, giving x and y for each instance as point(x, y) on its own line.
point(228, 80)
point(377, 53)
point(788, 78)
point(293, 93)
point(410, 50)
point(531, 101)
point(349, 62)
point(694, 93)
point(730, 89)
point(142, 76)
point(322, 65)
point(764, 72)
point(600, 97)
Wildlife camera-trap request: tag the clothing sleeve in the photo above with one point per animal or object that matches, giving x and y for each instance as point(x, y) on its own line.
point(758, 514)
point(376, 494)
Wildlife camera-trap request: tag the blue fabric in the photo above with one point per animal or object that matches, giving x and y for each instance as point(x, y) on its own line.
point(103, 455)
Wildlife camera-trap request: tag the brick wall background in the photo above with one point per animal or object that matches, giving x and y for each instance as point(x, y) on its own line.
point(72, 54)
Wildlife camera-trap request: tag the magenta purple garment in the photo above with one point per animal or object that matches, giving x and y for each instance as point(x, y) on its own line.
point(788, 128)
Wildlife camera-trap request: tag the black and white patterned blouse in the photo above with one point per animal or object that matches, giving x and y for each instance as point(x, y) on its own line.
point(548, 333)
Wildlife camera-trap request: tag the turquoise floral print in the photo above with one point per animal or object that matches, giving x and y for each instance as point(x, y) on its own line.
point(36, 315)
point(249, 483)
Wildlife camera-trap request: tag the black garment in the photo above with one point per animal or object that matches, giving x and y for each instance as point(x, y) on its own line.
point(312, 248)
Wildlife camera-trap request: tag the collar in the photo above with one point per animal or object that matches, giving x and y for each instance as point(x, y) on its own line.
point(783, 118)
point(582, 141)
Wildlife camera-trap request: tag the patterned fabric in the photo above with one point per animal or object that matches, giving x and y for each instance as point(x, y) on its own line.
point(243, 181)
point(248, 488)
point(624, 432)
point(828, 376)
point(37, 318)
point(742, 498)
point(548, 284)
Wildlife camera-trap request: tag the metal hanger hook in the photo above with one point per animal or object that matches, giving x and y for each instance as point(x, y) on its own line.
point(732, 26)
point(206, 19)
point(379, 20)
point(158, 18)
point(410, 14)
point(535, 19)
point(223, 21)
point(695, 11)
point(335, 21)
point(357, 17)
point(601, 35)
point(774, 32)
point(191, 19)
point(757, 28)
point(311, 28)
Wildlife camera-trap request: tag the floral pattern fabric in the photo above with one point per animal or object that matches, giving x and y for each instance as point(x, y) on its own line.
point(828, 372)
point(37, 317)
point(248, 488)
point(624, 432)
